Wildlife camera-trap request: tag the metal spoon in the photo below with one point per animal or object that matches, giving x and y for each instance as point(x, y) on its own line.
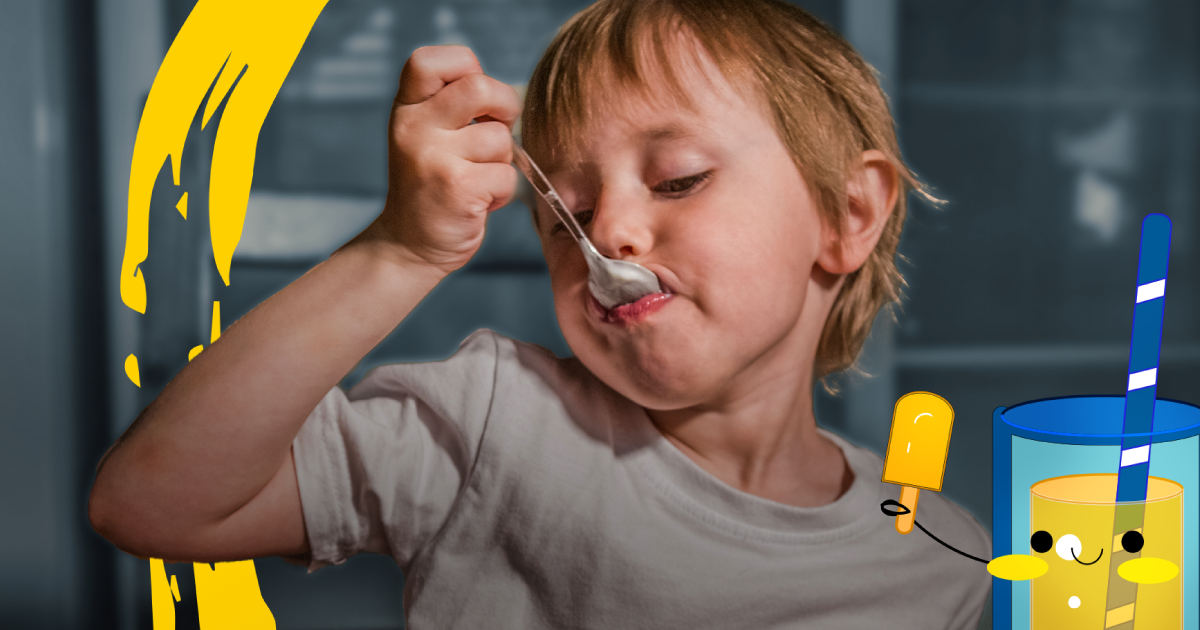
point(612, 282)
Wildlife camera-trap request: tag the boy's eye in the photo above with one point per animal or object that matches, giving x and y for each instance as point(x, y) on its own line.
point(683, 184)
point(584, 218)
point(669, 187)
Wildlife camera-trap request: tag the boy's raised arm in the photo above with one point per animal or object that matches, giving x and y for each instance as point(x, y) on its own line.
point(206, 472)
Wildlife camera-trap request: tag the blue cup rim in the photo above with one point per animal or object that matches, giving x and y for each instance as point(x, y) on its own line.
point(1096, 419)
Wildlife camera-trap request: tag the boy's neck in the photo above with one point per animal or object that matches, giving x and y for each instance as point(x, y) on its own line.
point(769, 448)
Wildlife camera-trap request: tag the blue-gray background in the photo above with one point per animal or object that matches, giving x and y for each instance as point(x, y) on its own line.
point(1049, 126)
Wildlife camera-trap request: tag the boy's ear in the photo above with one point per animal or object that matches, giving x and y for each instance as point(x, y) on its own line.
point(871, 192)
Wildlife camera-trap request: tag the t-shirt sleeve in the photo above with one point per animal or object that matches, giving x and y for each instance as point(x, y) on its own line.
point(380, 467)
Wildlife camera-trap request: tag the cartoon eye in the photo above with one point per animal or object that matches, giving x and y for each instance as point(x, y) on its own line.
point(1069, 547)
point(1132, 541)
point(1041, 541)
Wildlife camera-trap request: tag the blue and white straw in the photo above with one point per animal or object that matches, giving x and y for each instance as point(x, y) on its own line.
point(1144, 348)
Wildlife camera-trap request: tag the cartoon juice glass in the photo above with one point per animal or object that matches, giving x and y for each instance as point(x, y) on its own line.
point(1112, 565)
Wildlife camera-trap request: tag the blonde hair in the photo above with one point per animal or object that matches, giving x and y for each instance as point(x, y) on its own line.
point(825, 100)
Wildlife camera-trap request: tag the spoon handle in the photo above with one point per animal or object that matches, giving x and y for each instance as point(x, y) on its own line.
point(547, 192)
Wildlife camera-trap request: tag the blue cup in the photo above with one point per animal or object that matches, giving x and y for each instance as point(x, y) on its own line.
point(1075, 435)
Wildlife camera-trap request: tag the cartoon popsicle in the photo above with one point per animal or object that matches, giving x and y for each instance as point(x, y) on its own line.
point(917, 449)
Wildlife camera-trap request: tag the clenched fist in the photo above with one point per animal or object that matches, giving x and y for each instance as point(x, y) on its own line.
point(449, 157)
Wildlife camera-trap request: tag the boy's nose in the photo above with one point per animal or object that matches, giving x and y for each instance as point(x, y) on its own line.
point(621, 226)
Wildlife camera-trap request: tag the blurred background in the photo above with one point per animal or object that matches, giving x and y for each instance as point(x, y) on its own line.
point(1050, 127)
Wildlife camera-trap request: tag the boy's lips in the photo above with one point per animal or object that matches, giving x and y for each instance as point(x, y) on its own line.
point(633, 311)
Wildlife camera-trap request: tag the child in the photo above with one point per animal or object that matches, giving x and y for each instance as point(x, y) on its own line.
point(671, 474)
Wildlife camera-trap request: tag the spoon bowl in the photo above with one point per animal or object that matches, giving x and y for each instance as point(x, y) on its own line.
point(612, 282)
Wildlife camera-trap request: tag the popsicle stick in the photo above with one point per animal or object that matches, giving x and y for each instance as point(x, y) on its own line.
point(908, 498)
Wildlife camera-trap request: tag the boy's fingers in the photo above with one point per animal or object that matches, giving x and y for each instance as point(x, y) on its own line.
point(431, 68)
point(499, 181)
point(475, 96)
point(485, 142)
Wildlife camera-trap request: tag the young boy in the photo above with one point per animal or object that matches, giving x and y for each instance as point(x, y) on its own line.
point(671, 474)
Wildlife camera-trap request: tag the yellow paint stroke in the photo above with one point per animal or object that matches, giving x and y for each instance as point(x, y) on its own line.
point(162, 593)
point(218, 40)
point(131, 370)
point(216, 322)
point(214, 335)
point(1017, 567)
point(254, 44)
point(228, 598)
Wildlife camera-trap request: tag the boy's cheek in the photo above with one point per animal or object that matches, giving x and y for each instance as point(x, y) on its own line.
point(565, 263)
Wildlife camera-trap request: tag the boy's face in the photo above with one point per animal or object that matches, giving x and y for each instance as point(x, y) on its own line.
point(711, 202)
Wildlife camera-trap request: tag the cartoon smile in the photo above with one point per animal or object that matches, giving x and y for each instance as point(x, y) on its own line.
point(1086, 563)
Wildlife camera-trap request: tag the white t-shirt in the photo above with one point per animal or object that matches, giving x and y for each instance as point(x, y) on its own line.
point(516, 490)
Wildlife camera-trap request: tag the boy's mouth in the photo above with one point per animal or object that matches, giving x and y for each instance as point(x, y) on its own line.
point(633, 311)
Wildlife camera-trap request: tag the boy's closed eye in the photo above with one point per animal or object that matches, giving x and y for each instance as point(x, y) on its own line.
point(583, 218)
point(677, 187)
point(672, 188)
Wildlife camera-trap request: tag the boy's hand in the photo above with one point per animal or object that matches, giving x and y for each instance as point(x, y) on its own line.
point(445, 174)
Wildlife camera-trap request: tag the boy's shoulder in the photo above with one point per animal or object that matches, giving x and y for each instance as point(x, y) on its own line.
point(488, 373)
point(482, 346)
point(478, 358)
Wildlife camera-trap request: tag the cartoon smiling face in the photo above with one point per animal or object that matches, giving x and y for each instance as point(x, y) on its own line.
point(1108, 563)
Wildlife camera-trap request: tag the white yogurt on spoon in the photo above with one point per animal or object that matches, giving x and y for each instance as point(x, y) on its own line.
point(612, 282)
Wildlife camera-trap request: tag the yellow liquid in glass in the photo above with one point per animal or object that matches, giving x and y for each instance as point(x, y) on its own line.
point(1072, 594)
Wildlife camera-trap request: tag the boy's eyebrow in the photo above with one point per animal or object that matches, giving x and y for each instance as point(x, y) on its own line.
point(663, 133)
point(668, 132)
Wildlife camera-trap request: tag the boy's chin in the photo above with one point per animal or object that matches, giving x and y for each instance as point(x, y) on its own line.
point(655, 377)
